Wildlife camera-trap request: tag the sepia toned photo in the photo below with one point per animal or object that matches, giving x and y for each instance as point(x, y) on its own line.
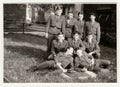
point(60, 43)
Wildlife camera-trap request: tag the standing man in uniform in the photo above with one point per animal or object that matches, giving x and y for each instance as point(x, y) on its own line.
point(79, 25)
point(93, 28)
point(55, 25)
point(70, 25)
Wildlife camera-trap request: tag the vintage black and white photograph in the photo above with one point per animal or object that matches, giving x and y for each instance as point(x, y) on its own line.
point(60, 42)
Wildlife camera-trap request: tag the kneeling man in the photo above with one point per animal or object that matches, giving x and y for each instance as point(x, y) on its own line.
point(92, 47)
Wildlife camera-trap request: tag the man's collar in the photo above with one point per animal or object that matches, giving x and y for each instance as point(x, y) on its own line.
point(76, 40)
point(92, 41)
point(57, 15)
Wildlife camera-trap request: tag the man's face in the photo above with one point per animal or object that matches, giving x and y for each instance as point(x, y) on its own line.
point(29, 6)
point(79, 52)
point(70, 51)
point(61, 37)
point(92, 17)
point(80, 16)
point(70, 15)
point(52, 13)
point(76, 36)
point(90, 37)
point(58, 12)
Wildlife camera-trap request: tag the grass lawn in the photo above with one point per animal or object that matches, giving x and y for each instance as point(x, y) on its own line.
point(21, 51)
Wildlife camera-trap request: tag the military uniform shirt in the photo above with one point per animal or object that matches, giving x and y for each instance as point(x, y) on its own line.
point(76, 44)
point(84, 60)
point(56, 24)
point(93, 29)
point(57, 46)
point(70, 25)
point(89, 47)
point(79, 27)
point(64, 59)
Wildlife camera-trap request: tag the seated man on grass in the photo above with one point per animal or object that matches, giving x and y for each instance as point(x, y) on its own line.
point(84, 62)
point(57, 45)
point(92, 47)
point(62, 61)
point(76, 41)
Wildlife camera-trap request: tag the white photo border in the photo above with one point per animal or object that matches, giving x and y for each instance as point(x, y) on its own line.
point(2, 84)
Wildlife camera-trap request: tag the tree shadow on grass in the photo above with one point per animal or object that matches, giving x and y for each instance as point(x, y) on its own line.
point(33, 39)
point(30, 52)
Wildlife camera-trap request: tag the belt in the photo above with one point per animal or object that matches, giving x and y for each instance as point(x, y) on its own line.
point(91, 34)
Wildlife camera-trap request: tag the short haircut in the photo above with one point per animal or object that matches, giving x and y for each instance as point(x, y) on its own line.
point(81, 12)
point(89, 35)
point(76, 49)
point(76, 32)
point(92, 13)
point(58, 7)
point(65, 49)
point(70, 12)
point(60, 34)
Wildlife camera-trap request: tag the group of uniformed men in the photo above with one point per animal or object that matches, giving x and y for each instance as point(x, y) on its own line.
point(73, 44)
